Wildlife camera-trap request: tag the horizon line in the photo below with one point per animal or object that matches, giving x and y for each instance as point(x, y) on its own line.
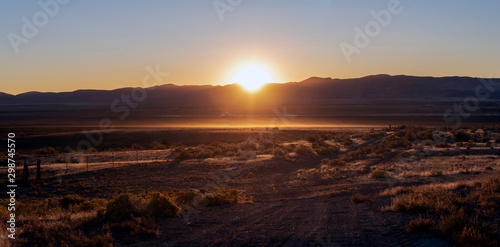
point(229, 84)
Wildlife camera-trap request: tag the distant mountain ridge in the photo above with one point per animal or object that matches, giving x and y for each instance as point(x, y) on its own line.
point(314, 90)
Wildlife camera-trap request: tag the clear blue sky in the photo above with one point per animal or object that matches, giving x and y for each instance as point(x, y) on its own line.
point(108, 44)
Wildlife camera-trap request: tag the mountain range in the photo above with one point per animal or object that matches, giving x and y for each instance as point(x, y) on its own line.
point(376, 94)
point(312, 90)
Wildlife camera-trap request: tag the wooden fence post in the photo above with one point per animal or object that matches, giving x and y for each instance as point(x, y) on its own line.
point(87, 162)
point(38, 170)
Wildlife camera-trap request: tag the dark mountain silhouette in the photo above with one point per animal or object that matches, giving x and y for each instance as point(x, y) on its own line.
point(5, 95)
point(316, 91)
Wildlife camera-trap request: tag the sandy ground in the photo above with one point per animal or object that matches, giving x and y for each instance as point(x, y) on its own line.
point(282, 209)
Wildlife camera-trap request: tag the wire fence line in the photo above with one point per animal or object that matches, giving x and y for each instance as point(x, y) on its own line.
point(65, 164)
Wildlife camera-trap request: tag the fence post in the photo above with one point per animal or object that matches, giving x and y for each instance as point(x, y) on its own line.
point(113, 158)
point(137, 156)
point(87, 162)
point(38, 171)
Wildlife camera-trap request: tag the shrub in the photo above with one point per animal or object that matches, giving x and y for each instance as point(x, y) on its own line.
point(136, 226)
point(47, 206)
point(222, 196)
point(467, 215)
point(184, 155)
point(377, 174)
point(435, 173)
point(120, 208)
point(161, 205)
point(336, 162)
point(314, 174)
point(247, 145)
point(43, 235)
point(358, 198)
point(278, 152)
point(70, 200)
point(425, 200)
point(91, 205)
point(263, 145)
point(314, 138)
point(157, 145)
point(472, 236)
point(454, 222)
point(303, 150)
point(290, 148)
point(421, 225)
point(462, 136)
point(403, 155)
point(137, 146)
point(245, 155)
point(373, 135)
point(441, 145)
point(328, 150)
point(47, 151)
point(189, 197)
point(348, 143)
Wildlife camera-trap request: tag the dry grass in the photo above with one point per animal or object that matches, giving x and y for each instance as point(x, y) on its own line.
point(143, 227)
point(421, 224)
point(467, 210)
point(317, 174)
point(59, 221)
point(61, 232)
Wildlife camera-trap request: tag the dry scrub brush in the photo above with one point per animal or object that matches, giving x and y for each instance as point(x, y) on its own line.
point(467, 212)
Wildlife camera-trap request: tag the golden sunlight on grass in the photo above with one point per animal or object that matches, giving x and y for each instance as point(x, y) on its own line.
point(252, 75)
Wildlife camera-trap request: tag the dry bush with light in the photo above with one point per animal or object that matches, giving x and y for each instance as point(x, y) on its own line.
point(223, 196)
point(303, 150)
point(378, 174)
point(161, 206)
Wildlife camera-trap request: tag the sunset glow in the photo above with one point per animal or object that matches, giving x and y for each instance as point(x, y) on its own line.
point(252, 75)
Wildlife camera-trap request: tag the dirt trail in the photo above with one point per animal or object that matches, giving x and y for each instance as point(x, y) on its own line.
point(287, 212)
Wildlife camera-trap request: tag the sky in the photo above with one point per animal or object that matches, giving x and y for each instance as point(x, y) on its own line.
point(109, 44)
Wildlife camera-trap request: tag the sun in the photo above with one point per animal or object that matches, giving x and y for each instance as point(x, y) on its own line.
point(252, 75)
